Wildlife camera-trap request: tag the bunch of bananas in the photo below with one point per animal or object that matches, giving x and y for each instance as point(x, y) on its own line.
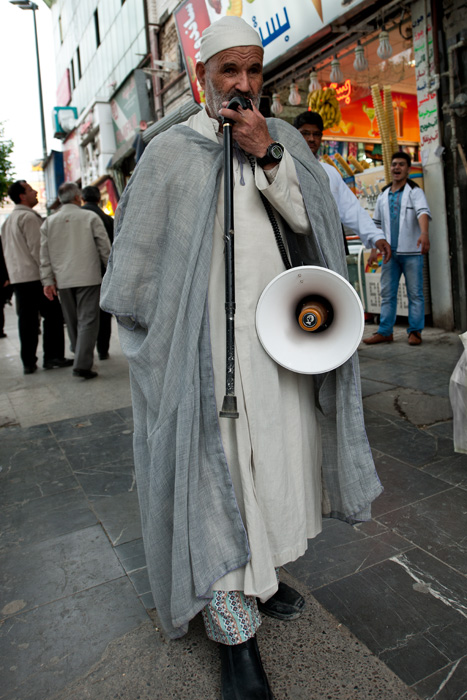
point(325, 102)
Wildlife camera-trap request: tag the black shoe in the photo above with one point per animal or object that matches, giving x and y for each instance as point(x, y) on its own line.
point(286, 604)
point(243, 676)
point(104, 356)
point(3, 335)
point(29, 369)
point(63, 362)
point(84, 373)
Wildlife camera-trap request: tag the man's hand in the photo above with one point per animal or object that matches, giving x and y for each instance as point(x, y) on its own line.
point(424, 243)
point(372, 258)
point(384, 248)
point(250, 129)
point(50, 291)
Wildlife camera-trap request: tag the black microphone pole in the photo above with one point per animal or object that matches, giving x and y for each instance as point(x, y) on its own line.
point(229, 405)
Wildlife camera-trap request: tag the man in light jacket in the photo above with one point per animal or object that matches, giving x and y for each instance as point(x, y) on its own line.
point(21, 243)
point(74, 243)
point(403, 214)
point(352, 215)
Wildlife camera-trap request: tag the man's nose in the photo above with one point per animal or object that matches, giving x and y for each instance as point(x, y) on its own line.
point(243, 83)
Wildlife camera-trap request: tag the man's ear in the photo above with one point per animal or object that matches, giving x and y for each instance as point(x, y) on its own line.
point(201, 73)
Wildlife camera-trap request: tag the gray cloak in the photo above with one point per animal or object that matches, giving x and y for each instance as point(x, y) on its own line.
point(157, 284)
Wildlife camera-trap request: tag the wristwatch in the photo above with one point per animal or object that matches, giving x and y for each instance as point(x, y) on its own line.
point(274, 154)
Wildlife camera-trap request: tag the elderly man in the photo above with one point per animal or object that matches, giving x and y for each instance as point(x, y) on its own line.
point(74, 244)
point(21, 240)
point(91, 198)
point(352, 215)
point(225, 503)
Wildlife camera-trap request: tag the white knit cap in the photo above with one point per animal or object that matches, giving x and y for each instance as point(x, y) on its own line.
point(226, 33)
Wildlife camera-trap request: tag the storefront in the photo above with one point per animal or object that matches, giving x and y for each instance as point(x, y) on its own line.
point(379, 58)
point(132, 112)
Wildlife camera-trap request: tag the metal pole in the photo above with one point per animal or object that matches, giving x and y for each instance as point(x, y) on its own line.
point(229, 406)
point(39, 82)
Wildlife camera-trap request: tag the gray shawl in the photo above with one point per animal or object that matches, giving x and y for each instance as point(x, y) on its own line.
point(156, 284)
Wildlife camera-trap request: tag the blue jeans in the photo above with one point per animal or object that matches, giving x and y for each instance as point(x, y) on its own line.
point(411, 266)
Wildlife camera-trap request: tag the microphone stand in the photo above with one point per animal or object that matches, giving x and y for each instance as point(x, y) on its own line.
point(229, 405)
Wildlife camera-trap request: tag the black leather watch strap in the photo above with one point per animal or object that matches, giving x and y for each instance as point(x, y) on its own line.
point(274, 154)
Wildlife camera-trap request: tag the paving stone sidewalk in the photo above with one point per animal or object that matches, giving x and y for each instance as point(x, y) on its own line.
point(386, 599)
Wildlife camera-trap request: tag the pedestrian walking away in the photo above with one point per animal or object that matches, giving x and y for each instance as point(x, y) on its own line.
point(74, 244)
point(225, 503)
point(91, 198)
point(403, 214)
point(21, 249)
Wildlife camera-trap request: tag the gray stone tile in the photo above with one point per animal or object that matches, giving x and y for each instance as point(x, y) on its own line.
point(15, 433)
point(43, 650)
point(126, 413)
point(437, 524)
point(47, 571)
point(370, 387)
point(83, 453)
point(96, 424)
point(403, 484)
point(18, 455)
point(131, 555)
point(321, 565)
point(398, 438)
point(449, 683)
point(105, 480)
point(452, 470)
point(44, 518)
point(22, 485)
point(398, 608)
point(120, 517)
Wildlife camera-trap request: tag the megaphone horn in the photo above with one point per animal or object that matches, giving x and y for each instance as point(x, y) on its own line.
point(309, 319)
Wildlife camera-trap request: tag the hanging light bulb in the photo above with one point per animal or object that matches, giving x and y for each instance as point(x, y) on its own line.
point(336, 73)
point(314, 82)
point(276, 107)
point(294, 97)
point(360, 64)
point(384, 49)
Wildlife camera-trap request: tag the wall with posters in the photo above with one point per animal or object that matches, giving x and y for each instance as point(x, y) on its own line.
point(130, 106)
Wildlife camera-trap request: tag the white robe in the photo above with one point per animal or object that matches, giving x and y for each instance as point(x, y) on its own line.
point(274, 448)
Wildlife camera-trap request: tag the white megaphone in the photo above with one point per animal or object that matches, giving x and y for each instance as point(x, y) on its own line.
point(309, 319)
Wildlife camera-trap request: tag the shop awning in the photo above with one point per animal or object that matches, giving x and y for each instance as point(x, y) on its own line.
point(175, 117)
point(122, 152)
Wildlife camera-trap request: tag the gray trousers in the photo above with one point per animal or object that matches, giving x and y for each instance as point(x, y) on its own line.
point(80, 306)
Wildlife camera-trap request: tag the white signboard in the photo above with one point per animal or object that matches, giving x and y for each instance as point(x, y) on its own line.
point(281, 23)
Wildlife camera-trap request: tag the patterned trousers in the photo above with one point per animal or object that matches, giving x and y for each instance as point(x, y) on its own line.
point(232, 617)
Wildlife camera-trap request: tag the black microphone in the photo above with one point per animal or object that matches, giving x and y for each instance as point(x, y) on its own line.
point(235, 103)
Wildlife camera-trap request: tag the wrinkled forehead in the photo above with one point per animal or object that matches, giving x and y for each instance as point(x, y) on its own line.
point(241, 56)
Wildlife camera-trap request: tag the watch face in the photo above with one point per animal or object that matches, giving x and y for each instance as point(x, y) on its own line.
point(276, 151)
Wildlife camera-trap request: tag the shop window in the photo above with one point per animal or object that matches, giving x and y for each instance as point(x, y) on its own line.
point(78, 63)
point(96, 27)
point(72, 74)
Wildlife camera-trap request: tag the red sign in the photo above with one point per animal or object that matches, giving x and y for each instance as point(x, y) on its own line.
point(191, 19)
point(343, 91)
point(64, 90)
point(358, 121)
